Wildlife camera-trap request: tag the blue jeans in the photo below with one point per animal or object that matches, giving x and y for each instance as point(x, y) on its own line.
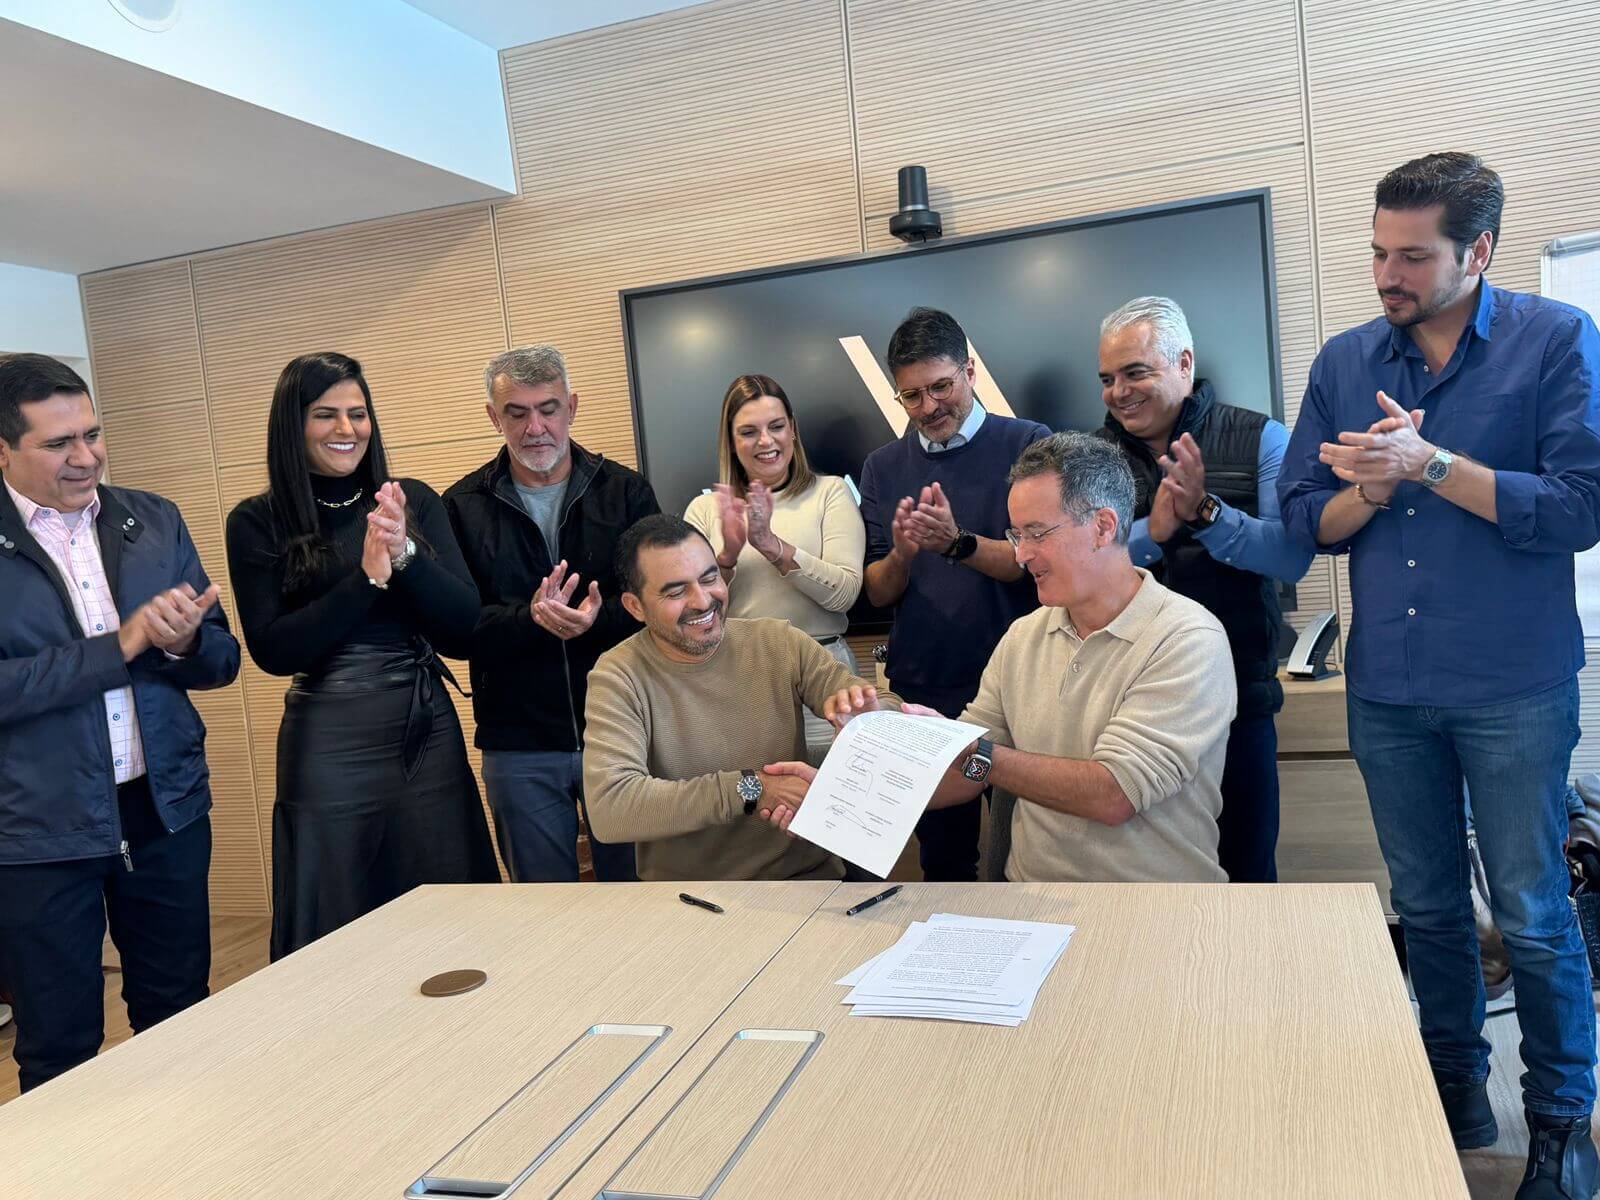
point(535, 796)
point(1514, 759)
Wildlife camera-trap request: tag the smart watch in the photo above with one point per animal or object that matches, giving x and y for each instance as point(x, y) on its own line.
point(979, 762)
point(964, 546)
point(1206, 515)
point(749, 789)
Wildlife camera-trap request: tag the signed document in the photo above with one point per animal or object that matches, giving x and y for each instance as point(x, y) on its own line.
point(875, 783)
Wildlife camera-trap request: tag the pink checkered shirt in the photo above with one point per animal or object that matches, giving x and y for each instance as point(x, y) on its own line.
point(76, 553)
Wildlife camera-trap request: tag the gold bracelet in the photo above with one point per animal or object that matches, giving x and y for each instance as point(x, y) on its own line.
point(1368, 500)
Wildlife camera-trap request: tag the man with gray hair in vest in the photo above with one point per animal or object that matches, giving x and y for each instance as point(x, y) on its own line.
point(1206, 525)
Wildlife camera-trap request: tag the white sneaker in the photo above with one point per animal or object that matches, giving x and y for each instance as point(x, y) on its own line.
point(5, 1015)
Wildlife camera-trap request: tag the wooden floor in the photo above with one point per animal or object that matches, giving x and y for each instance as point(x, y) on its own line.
point(1493, 1174)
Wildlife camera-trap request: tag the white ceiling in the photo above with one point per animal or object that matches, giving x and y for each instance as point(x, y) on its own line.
point(107, 163)
point(504, 23)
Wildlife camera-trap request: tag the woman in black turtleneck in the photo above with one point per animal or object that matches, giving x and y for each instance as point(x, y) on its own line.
point(346, 581)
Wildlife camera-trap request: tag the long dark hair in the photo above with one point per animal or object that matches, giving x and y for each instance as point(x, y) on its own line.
point(306, 551)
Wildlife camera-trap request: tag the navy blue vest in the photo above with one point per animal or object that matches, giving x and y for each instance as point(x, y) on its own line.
point(1246, 603)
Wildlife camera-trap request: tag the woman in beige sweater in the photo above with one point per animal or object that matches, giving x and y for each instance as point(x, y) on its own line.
point(789, 542)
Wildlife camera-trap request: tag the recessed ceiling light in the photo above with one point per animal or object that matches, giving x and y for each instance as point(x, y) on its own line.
point(152, 15)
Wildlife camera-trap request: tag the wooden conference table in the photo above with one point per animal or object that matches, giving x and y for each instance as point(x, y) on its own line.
point(1193, 1041)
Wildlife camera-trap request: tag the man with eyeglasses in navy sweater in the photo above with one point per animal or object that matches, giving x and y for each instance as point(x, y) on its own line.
point(934, 504)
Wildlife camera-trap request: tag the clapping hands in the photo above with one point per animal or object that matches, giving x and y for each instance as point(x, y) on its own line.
point(552, 607)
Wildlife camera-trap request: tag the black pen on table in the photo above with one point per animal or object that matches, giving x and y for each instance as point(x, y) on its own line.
point(699, 903)
point(871, 900)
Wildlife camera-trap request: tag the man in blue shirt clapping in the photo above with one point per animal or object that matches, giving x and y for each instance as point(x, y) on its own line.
point(1452, 448)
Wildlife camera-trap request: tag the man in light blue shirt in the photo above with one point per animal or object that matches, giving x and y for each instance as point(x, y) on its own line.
point(968, 430)
point(1207, 525)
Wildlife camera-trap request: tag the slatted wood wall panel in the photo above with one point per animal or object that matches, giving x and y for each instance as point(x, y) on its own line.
point(1010, 97)
point(142, 337)
point(1083, 114)
point(416, 299)
point(1517, 82)
point(712, 139)
point(150, 392)
point(746, 133)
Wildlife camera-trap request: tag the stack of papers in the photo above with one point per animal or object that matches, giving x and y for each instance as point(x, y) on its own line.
point(952, 968)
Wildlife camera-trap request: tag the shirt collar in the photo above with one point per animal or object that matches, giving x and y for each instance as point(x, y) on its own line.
point(1402, 345)
point(1128, 624)
point(968, 427)
point(28, 510)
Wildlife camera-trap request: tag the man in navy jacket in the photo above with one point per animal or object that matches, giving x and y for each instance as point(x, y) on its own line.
point(108, 622)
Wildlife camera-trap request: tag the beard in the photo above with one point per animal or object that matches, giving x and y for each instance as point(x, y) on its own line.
point(1425, 309)
point(542, 459)
point(678, 639)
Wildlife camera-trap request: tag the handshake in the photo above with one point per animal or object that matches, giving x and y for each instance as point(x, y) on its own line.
point(784, 784)
point(169, 621)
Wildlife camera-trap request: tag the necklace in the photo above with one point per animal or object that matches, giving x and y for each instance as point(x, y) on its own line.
point(341, 503)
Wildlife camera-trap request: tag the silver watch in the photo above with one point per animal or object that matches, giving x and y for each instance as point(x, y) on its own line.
point(1437, 468)
point(403, 560)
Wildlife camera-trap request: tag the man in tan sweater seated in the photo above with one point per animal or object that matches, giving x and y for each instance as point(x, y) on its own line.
point(1109, 706)
point(687, 717)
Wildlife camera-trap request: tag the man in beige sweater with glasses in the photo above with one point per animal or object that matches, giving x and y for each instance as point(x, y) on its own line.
point(695, 741)
point(1108, 708)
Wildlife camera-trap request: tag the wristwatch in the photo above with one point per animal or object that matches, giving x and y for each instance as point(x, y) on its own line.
point(978, 763)
point(403, 560)
point(749, 789)
point(1206, 515)
point(965, 546)
point(1437, 468)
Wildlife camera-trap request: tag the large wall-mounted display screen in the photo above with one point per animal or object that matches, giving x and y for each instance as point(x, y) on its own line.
point(1031, 301)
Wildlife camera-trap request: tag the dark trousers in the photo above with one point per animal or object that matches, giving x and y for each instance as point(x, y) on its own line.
point(1248, 824)
point(947, 838)
point(53, 920)
point(947, 843)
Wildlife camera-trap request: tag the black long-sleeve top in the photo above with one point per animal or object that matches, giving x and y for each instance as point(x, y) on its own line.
point(434, 596)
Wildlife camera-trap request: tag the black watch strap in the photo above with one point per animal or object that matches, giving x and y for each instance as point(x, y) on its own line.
point(964, 547)
point(1206, 515)
point(978, 763)
point(750, 790)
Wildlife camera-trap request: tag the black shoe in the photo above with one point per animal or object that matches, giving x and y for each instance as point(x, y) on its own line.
point(1467, 1111)
point(1562, 1163)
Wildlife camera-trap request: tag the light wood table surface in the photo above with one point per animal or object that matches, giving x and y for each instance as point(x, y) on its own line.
point(330, 1075)
point(1193, 1041)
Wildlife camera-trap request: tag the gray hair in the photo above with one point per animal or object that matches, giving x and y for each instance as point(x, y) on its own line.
point(1092, 475)
point(1163, 316)
point(528, 366)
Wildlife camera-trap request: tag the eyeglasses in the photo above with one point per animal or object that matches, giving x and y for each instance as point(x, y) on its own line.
point(1016, 536)
point(938, 390)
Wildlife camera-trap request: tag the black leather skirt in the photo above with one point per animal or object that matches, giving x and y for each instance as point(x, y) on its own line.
point(374, 795)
